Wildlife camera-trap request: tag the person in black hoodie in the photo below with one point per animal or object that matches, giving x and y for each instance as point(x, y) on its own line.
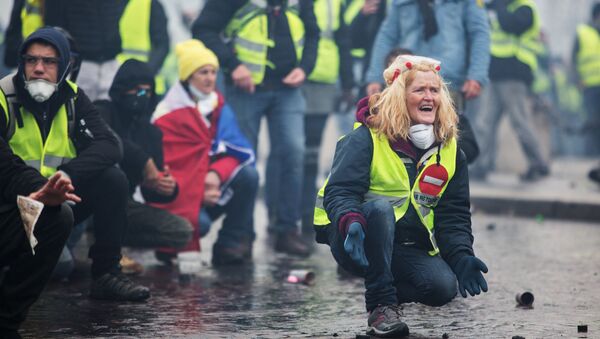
point(28, 272)
point(266, 64)
point(128, 113)
point(54, 127)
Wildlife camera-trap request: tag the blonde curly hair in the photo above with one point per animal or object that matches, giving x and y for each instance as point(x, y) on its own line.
point(388, 111)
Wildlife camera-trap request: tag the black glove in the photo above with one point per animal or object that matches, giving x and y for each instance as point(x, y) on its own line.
point(468, 272)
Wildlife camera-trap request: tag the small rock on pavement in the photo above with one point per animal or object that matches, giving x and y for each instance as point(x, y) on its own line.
point(445, 336)
point(582, 329)
point(491, 226)
point(517, 337)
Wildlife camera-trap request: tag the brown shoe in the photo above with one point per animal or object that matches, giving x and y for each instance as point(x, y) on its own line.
point(291, 243)
point(235, 255)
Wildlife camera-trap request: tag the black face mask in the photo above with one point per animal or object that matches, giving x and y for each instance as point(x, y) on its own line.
point(134, 106)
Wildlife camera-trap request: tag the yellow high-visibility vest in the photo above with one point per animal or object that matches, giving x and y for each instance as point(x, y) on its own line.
point(524, 47)
point(136, 43)
point(27, 141)
point(249, 33)
point(389, 180)
point(327, 66)
point(31, 17)
point(588, 56)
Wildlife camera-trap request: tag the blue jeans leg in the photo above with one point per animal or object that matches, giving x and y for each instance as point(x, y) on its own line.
point(283, 184)
point(238, 225)
point(379, 281)
point(422, 278)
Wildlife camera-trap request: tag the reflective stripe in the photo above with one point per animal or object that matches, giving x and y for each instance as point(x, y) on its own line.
point(251, 45)
point(32, 9)
point(136, 52)
point(55, 161)
point(254, 67)
point(33, 163)
point(394, 201)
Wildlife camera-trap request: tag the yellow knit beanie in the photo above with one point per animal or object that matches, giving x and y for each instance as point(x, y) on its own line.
point(191, 55)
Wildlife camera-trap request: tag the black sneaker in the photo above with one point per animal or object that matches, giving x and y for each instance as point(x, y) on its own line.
point(535, 174)
point(115, 286)
point(384, 322)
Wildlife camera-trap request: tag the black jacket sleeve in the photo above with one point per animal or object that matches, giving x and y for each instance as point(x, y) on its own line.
point(453, 216)
point(342, 40)
point(159, 37)
point(211, 22)
point(16, 178)
point(14, 35)
point(516, 22)
point(311, 36)
point(97, 146)
point(350, 175)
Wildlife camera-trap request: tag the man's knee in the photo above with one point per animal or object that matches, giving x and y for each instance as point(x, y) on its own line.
point(113, 180)
point(439, 291)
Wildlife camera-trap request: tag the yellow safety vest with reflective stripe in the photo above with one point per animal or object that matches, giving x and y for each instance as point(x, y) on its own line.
point(249, 33)
point(26, 142)
point(134, 28)
point(524, 47)
point(327, 66)
point(389, 180)
point(588, 56)
point(350, 13)
point(31, 17)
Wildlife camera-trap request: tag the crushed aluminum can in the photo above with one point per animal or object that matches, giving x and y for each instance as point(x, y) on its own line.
point(301, 277)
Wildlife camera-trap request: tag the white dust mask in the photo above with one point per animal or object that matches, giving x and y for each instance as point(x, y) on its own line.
point(421, 135)
point(40, 89)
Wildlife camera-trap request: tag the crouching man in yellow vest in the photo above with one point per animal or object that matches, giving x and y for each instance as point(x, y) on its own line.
point(395, 209)
point(53, 127)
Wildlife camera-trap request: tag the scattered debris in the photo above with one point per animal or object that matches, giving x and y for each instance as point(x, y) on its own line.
point(582, 329)
point(491, 226)
point(517, 337)
point(445, 336)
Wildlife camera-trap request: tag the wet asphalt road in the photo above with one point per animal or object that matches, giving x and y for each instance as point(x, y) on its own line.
point(558, 261)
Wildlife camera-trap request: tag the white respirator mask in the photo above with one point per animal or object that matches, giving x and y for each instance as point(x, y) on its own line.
point(40, 89)
point(421, 135)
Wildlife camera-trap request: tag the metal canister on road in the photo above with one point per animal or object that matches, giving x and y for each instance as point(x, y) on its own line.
point(301, 277)
point(525, 299)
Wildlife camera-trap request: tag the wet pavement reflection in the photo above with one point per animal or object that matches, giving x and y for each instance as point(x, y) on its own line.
point(558, 262)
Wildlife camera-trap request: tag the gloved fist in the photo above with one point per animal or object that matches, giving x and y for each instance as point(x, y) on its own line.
point(354, 244)
point(468, 272)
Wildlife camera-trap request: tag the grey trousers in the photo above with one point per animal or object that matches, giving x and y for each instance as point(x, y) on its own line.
point(510, 97)
point(151, 227)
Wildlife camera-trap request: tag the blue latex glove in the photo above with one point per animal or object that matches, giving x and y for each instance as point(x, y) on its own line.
point(354, 244)
point(468, 272)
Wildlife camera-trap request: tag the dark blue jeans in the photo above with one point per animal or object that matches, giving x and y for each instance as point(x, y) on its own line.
point(238, 224)
point(396, 273)
point(284, 110)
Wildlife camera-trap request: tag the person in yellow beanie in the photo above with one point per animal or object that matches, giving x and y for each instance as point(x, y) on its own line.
point(191, 55)
point(206, 151)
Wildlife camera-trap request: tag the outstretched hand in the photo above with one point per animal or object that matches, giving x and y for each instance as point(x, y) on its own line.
point(354, 244)
point(57, 190)
point(468, 273)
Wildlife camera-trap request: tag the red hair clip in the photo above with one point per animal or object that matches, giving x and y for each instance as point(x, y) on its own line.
point(437, 68)
point(408, 65)
point(396, 74)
